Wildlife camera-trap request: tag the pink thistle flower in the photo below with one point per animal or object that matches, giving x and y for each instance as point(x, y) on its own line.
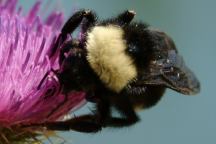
point(25, 47)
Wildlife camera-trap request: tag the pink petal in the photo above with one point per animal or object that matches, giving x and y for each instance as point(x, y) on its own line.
point(25, 44)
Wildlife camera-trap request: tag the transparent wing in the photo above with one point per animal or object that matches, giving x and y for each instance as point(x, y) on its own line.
point(173, 73)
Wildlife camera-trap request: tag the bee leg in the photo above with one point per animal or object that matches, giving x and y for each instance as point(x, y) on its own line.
point(126, 17)
point(73, 22)
point(128, 116)
point(90, 21)
point(102, 117)
point(66, 48)
point(85, 123)
point(89, 123)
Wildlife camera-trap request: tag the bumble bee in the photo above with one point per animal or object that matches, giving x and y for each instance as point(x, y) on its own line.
point(118, 63)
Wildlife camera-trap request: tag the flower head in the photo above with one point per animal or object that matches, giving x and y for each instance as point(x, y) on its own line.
point(26, 43)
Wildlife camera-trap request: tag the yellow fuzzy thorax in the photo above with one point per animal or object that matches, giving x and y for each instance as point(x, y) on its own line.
point(107, 56)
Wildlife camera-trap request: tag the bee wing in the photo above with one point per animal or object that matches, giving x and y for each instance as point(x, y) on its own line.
point(173, 73)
